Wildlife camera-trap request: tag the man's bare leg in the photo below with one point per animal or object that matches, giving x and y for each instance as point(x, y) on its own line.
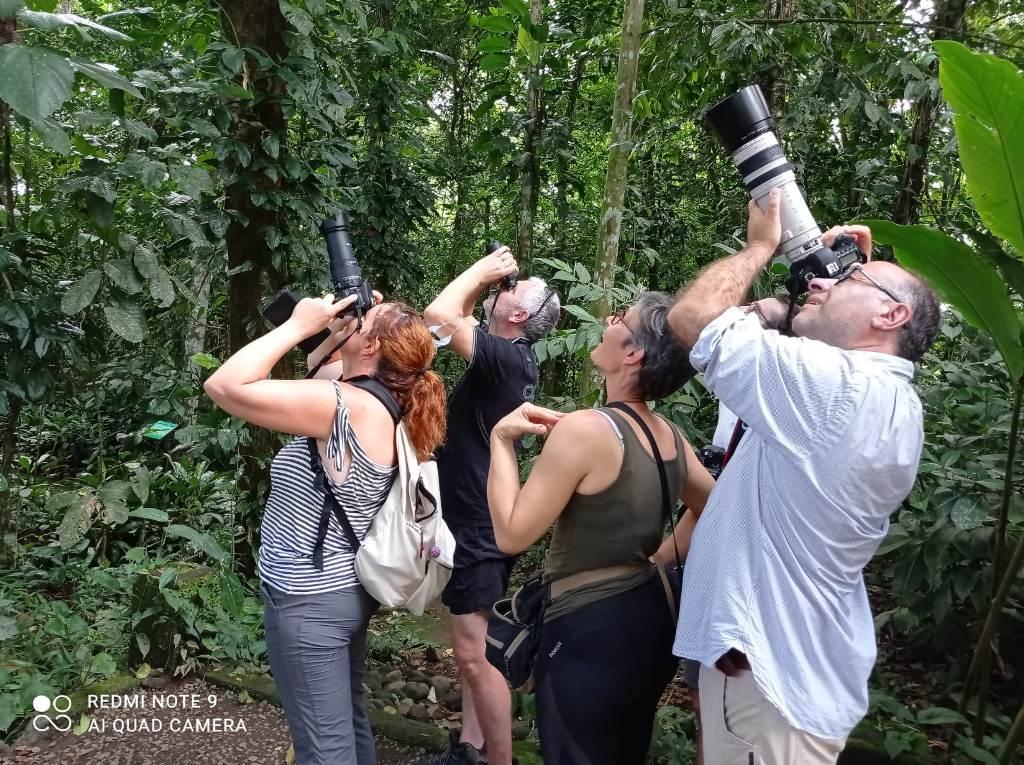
point(486, 701)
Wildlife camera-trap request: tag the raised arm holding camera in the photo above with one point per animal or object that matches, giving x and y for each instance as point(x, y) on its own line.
point(501, 375)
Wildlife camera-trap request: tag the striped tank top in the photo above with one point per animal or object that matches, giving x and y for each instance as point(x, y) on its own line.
point(289, 529)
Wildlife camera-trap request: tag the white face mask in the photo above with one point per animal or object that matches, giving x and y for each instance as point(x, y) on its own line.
point(441, 342)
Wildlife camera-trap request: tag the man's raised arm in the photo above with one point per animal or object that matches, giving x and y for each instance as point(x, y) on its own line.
point(452, 310)
point(727, 281)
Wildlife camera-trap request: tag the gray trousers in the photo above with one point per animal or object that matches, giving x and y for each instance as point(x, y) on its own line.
point(317, 646)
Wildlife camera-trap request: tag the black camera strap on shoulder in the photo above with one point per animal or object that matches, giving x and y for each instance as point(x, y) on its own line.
point(321, 483)
point(666, 500)
point(379, 391)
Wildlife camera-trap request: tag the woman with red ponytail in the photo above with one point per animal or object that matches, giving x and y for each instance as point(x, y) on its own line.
point(316, 611)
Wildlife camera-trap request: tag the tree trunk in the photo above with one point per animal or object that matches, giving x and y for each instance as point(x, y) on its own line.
point(773, 82)
point(949, 17)
point(530, 183)
point(562, 193)
point(8, 34)
point(618, 160)
point(256, 24)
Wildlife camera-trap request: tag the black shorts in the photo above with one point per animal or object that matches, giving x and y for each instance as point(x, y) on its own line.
point(477, 587)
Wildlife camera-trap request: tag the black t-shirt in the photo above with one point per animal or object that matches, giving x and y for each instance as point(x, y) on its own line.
point(501, 375)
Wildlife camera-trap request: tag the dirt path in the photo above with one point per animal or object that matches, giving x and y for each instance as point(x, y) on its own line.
point(191, 723)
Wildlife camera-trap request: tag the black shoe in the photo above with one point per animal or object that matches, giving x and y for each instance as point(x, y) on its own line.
point(457, 753)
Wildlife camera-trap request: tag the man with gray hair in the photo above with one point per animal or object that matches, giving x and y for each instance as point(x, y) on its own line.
point(501, 375)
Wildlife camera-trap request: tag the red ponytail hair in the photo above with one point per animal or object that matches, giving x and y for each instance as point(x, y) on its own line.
point(406, 352)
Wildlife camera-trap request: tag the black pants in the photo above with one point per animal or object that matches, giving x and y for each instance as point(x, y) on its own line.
point(600, 672)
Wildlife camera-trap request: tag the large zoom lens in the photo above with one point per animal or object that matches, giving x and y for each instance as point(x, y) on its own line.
point(744, 126)
point(345, 272)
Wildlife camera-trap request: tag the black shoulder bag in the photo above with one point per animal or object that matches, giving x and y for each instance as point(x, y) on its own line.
point(675, 574)
point(379, 391)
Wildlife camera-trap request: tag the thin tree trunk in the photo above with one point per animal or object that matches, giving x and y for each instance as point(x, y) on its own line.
point(530, 180)
point(195, 332)
point(259, 25)
point(610, 224)
point(772, 82)
point(562, 193)
point(949, 18)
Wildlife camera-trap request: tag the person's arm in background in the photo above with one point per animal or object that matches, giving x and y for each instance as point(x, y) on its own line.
point(454, 306)
point(726, 282)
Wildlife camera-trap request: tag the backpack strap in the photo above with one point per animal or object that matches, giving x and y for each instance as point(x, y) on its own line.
point(379, 391)
point(331, 505)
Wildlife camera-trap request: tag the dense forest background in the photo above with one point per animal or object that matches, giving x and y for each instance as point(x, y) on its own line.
point(163, 170)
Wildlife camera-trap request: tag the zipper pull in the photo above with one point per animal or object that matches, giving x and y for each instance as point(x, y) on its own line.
point(421, 543)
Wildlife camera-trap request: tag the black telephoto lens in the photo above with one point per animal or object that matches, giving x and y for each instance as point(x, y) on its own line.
point(346, 274)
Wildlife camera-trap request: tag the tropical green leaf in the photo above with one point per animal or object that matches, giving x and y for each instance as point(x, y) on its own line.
point(13, 315)
point(204, 542)
point(53, 136)
point(494, 44)
point(494, 62)
point(141, 129)
point(961, 277)
point(35, 81)
point(122, 273)
point(127, 321)
point(153, 174)
point(987, 94)
point(150, 514)
point(77, 521)
point(81, 293)
point(205, 360)
point(52, 21)
point(104, 74)
point(940, 716)
point(192, 181)
point(231, 595)
point(498, 24)
point(141, 483)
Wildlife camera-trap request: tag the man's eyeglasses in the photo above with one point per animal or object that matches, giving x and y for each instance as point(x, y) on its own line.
point(857, 268)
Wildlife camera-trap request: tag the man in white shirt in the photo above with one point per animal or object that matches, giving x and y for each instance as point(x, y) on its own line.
point(774, 605)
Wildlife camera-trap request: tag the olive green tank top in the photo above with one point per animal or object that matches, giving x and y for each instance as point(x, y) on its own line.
point(620, 525)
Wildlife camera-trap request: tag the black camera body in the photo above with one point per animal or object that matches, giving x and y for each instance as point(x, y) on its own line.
point(346, 276)
point(712, 457)
point(825, 262)
point(507, 282)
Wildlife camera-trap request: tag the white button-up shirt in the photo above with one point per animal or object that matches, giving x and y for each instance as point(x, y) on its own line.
point(776, 561)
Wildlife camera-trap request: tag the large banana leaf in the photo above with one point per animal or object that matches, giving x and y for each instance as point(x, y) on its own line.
point(987, 94)
point(961, 277)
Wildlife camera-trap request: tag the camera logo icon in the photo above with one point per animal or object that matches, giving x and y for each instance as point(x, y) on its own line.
point(60, 722)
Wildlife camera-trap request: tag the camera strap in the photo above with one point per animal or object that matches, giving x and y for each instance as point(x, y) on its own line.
point(666, 500)
point(312, 372)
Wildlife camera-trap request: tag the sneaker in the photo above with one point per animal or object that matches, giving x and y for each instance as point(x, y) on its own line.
point(457, 753)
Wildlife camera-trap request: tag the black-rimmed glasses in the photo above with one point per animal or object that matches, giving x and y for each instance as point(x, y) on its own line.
point(857, 268)
point(619, 317)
